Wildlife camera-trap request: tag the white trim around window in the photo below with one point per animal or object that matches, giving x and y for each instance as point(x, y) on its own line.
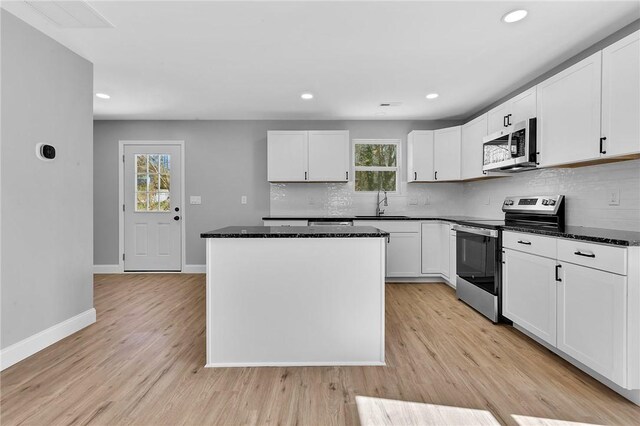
point(397, 168)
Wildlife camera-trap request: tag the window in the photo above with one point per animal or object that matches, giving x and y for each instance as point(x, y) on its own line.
point(376, 165)
point(153, 180)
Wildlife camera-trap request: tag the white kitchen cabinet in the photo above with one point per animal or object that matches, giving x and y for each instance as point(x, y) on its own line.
point(308, 156)
point(287, 157)
point(452, 257)
point(328, 156)
point(446, 153)
point(431, 251)
point(569, 114)
point(592, 319)
point(516, 109)
point(471, 153)
point(621, 97)
point(403, 246)
point(420, 156)
point(403, 254)
point(529, 293)
point(445, 242)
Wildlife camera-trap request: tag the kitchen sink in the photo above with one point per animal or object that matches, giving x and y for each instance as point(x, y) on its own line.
point(382, 217)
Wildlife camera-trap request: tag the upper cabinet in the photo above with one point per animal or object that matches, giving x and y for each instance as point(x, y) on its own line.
point(446, 153)
point(471, 148)
point(569, 114)
point(514, 110)
point(420, 156)
point(621, 97)
point(308, 156)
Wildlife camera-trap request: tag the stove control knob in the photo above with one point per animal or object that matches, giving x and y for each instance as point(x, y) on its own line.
point(545, 202)
point(552, 202)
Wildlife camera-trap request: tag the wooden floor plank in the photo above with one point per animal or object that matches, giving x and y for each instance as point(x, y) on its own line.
point(142, 363)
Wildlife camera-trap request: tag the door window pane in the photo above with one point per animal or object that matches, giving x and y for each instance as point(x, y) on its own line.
point(153, 182)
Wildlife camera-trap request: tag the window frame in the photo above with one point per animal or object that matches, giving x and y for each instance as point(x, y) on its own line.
point(397, 168)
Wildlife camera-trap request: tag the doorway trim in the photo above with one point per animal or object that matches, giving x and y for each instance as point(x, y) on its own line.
point(121, 145)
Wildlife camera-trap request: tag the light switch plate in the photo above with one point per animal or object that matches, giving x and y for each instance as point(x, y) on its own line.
point(195, 199)
point(614, 197)
point(413, 201)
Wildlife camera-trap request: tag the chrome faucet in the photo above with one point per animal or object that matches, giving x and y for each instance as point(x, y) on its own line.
point(384, 200)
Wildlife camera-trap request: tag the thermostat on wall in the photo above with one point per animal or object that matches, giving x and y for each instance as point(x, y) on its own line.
point(45, 152)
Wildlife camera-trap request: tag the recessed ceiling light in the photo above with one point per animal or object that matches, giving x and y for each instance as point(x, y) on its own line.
point(514, 16)
point(432, 95)
point(103, 96)
point(307, 96)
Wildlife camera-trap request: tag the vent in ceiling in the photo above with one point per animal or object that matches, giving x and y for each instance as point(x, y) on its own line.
point(390, 104)
point(71, 14)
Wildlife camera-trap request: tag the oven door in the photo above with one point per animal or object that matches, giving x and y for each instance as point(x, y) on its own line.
point(476, 260)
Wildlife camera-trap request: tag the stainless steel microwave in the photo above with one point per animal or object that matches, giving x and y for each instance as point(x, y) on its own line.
point(511, 149)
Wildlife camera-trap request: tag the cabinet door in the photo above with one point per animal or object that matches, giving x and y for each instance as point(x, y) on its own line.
point(452, 258)
point(446, 158)
point(621, 96)
point(592, 314)
point(496, 118)
point(529, 293)
point(403, 254)
point(471, 148)
point(431, 248)
point(445, 259)
point(569, 114)
point(522, 107)
point(420, 156)
point(287, 156)
point(328, 156)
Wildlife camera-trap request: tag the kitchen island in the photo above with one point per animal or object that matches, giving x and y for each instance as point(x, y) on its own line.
point(294, 296)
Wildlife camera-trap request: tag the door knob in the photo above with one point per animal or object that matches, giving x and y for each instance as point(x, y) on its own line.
point(176, 218)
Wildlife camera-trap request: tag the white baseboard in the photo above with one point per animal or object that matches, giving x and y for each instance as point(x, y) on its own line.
point(106, 269)
point(29, 346)
point(194, 269)
point(293, 364)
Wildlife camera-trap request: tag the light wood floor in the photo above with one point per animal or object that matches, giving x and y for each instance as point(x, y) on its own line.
point(142, 363)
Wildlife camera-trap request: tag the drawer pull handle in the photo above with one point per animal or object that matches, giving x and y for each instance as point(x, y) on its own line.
point(557, 273)
point(526, 243)
point(579, 253)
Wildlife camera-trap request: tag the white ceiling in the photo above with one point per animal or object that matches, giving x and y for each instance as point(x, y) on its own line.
point(252, 60)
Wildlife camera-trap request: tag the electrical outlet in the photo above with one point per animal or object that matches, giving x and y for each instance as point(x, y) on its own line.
point(413, 201)
point(195, 199)
point(614, 197)
point(487, 201)
point(427, 200)
point(243, 199)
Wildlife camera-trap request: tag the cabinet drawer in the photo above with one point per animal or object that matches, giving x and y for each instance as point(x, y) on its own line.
point(391, 225)
point(285, 223)
point(530, 243)
point(598, 256)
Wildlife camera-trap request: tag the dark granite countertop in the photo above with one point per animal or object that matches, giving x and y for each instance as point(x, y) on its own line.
point(596, 235)
point(325, 231)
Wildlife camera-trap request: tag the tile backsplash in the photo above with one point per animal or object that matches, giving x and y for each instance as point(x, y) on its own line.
point(587, 191)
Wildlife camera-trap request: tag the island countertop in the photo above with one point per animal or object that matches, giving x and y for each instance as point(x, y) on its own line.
point(296, 232)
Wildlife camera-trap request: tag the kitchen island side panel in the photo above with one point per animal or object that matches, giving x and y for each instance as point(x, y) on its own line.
point(295, 301)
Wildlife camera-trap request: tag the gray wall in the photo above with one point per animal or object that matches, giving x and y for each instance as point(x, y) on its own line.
point(47, 219)
point(224, 160)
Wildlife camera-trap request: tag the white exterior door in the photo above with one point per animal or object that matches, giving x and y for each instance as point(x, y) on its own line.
point(152, 208)
point(287, 156)
point(592, 316)
point(569, 114)
point(447, 153)
point(329, 156)
point(420, 156)
point(621, 97)
point(529, 293)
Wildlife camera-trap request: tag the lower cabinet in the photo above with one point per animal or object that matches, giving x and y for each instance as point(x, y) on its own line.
point(431, 251)
point(452, 257)
point(403, 254)
point(580, 306)
point(529, 293)
point(592, 316)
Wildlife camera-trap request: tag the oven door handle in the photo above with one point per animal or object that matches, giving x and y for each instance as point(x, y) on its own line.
point(477, 231)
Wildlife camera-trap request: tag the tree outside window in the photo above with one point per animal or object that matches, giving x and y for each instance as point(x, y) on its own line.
point(376, 166)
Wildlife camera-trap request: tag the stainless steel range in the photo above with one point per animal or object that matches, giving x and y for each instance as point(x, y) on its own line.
point(479, 249)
